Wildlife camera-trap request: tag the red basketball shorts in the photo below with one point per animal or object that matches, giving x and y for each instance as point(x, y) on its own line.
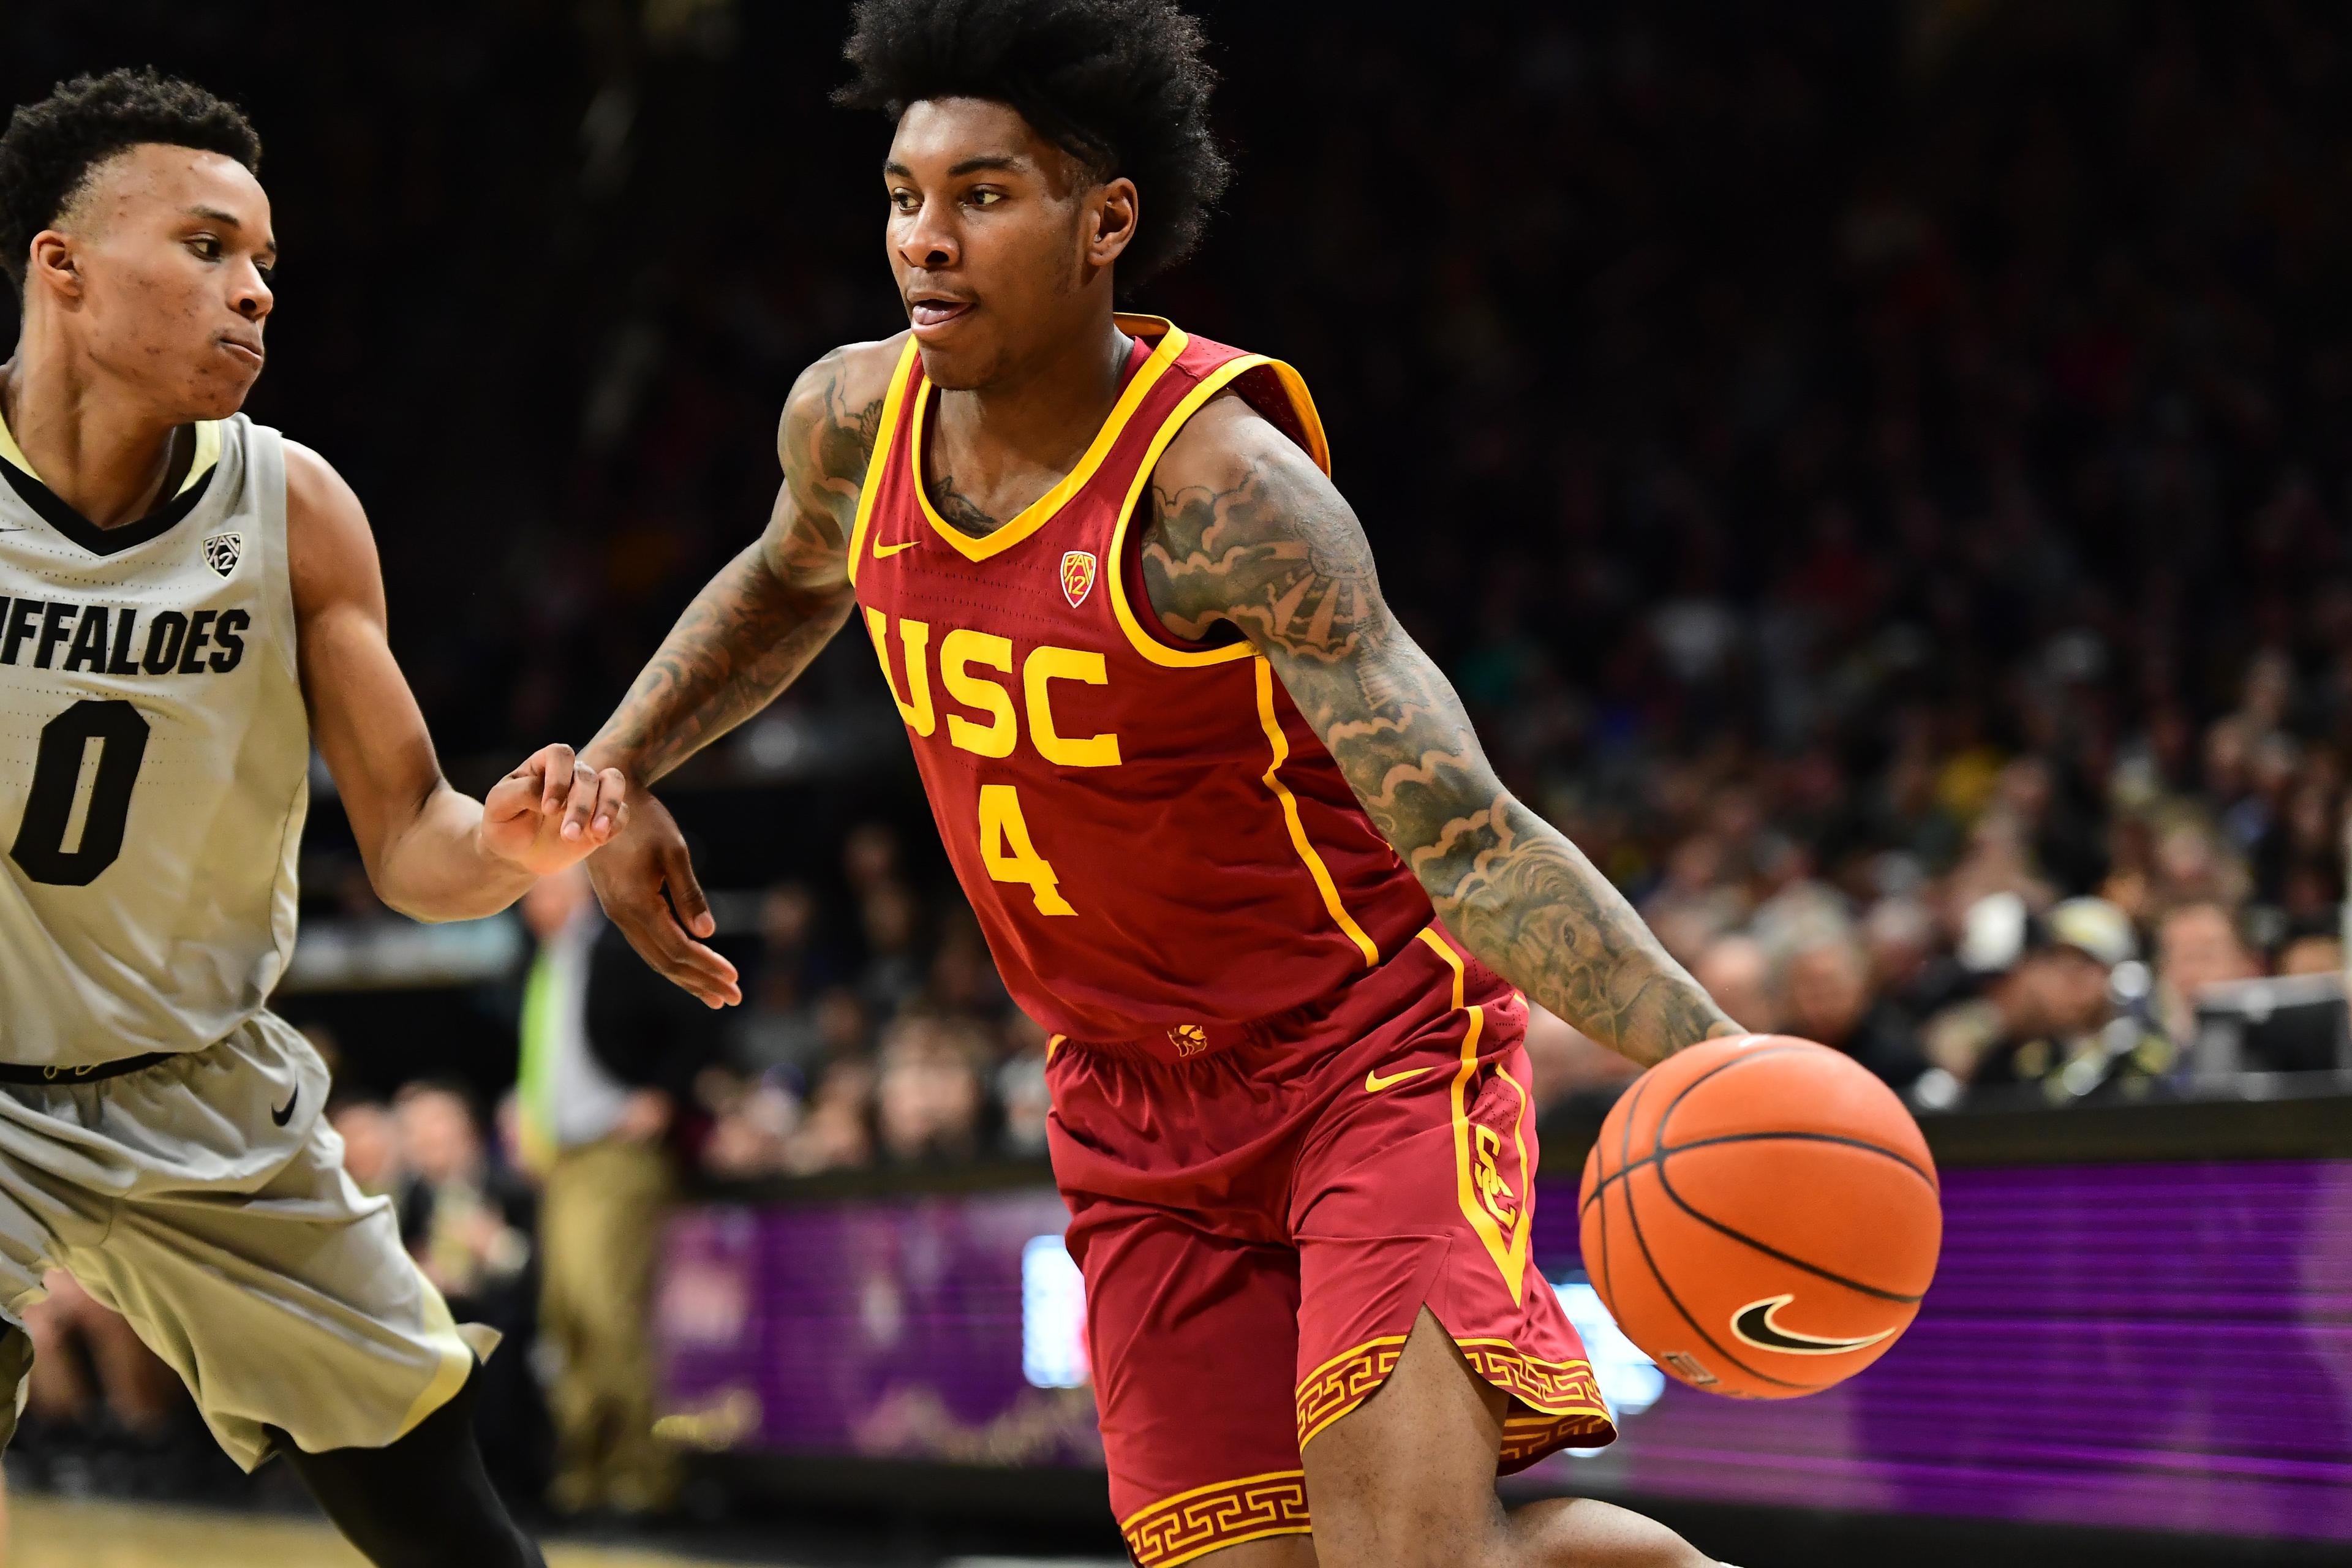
point(1260, 1225)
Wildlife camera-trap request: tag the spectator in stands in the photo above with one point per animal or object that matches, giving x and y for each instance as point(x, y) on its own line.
point(1826, 995)
point(467, 1226)
point(2198, 944)
point(837, 1131)
point(1022, 1097)
point(371, 1144)
point(610, 1052)
point(929, 1098)
point(2043, 1014)
point(778, 1026)
point(1737, 972)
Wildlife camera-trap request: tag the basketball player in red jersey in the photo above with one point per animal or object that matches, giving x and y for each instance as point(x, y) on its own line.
point(1226, 827)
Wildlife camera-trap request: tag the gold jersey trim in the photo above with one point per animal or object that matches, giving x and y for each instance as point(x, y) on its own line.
point(1115, 570)
point(886, 435)
point(1042, 510)
point(1280, 745)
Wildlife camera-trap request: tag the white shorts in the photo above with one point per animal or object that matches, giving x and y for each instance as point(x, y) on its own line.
point(235, 1246)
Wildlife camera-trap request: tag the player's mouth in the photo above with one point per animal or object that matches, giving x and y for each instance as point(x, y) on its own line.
point(243, 350)
point(937, 309)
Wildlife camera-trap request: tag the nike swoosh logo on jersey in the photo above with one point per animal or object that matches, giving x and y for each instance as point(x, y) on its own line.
point(882, 550)
point(1374, 1082)
point(284, 1114)
point(1756, 1324)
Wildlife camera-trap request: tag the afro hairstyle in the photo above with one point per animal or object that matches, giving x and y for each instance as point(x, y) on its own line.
point(1122, 85)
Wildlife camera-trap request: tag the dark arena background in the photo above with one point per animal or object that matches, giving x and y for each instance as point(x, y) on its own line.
point(1880, 475)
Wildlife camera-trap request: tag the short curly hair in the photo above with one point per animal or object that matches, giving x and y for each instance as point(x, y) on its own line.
point(50, 147)
point(1121, 85)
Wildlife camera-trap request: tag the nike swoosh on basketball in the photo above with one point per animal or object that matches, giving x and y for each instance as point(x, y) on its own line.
point(284, 1114)
point(1374, 1082)
point(1756, 1324)
point(882, 550)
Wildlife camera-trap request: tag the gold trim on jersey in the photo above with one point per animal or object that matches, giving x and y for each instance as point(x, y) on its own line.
point(208, 451)
point(886, 435)
point(1041, 511)
point(1474, 1181)
point(1280, 743)
point(1115, 570)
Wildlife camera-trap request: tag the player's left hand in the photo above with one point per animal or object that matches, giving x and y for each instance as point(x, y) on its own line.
point(553, 811)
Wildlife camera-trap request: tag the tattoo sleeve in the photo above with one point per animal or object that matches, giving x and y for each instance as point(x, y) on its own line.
point(771, 610)
point(1259, 539)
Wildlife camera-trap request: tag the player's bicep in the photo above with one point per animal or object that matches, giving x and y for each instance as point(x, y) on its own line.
point(363, 718)
point(1248, 532)
point(823, 442)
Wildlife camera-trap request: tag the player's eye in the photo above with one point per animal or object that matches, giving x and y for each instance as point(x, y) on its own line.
point(985, 198)
point(906, 201)
point(205, 246)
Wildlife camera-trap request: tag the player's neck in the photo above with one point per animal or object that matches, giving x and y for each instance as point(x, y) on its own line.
point(100, 447)
point(1044, 416)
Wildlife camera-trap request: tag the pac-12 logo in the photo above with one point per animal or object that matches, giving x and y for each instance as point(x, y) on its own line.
point(223, 551)
point(1077, 576)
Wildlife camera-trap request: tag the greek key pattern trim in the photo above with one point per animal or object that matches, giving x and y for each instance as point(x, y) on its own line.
point(1178, 1528)
point(1344, 1382)
point(1553, 1387)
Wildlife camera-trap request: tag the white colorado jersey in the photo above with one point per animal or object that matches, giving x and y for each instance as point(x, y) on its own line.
point(154, 760)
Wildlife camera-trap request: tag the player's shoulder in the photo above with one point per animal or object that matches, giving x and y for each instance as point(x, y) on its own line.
point(1226, 446)
point(841, 395)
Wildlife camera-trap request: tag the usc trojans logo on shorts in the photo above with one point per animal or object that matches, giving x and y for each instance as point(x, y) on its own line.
point(1077, 576)
point(1495, 1194)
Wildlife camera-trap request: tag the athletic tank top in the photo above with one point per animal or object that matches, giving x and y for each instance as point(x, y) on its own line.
point(154, 760)
point(1156, 843)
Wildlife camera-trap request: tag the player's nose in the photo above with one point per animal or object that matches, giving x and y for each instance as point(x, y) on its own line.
point(927, 244)
point(254, 299)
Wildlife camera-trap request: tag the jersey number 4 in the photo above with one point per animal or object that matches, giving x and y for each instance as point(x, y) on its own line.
point(80, 799)
point(1006, 850)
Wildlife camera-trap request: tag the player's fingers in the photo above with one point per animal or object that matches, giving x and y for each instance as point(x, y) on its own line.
point(579, 801)
point(554, 765)
point(517, 795)
point(686, 895)
point(683, 960)
point(612, 806)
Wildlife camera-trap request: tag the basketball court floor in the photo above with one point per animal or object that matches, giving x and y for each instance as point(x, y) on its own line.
point(53, 1532)
point(47, 1532)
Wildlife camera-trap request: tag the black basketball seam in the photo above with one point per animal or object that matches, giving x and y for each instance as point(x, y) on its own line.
point(1667, 1183)
point(1760, 1138)
point(1730, 1062)
point(1608, 1296)
point(1634, 1215)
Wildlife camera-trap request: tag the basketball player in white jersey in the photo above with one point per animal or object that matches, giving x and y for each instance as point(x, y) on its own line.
point(188, 605)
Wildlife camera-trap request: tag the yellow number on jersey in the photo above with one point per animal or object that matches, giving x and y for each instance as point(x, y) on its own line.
point(1010, 857)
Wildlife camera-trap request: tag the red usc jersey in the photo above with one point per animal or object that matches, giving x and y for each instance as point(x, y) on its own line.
point(1158, 846)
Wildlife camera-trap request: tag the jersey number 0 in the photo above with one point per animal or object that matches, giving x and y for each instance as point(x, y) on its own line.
point(96, 830)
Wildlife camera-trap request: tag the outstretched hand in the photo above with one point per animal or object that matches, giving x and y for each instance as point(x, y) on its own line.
point(645, 882)
point(553, 811)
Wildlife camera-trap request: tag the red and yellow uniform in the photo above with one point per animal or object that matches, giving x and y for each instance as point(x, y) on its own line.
point(1289, 1108)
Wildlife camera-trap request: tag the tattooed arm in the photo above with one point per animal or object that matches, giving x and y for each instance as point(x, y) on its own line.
point(1245, 529)
point(753, 629)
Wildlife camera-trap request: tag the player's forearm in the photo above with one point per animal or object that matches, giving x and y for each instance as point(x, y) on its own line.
point(744, 639)
point(434, 865)
point(1525, 900)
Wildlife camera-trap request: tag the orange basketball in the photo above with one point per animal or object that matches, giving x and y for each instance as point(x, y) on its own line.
point(1761, 1215)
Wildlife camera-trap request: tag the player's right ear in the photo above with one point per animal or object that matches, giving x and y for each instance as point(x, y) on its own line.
point(53, 265)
